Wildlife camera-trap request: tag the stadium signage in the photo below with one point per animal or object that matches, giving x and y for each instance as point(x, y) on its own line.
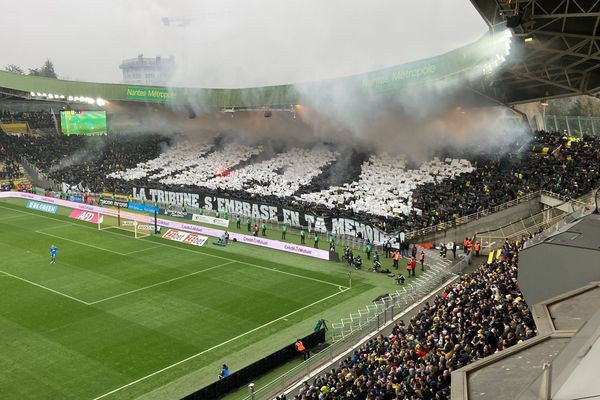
point(157, 94)
point(141, 207)
point(114, 203)
point(210, 220)
point(174, 213)
point(87, 216)
point(49, 208)
point(260, 211)
point(185, 237)
point(394, 77)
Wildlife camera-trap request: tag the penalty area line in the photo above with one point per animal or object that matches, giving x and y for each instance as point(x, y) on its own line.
point(161, 283)
point(80, 243)
point(217, 346)
point(46, 288)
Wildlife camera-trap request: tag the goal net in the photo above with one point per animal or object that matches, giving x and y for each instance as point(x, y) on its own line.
point(139, 229)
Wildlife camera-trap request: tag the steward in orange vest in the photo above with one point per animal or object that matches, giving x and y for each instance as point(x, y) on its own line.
point(301, 349)
point(411, 266)
point(396, 258)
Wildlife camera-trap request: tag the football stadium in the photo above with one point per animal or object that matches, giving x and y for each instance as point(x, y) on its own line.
point(421, 228)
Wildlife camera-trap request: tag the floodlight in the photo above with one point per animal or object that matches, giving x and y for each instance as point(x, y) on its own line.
point(32, 94)
point(100, 102)
point(529, 39)
point(44, 95)
point(70, 98)
point(50, 96)
point(76, 98)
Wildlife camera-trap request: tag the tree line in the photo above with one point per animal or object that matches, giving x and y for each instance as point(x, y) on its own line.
point(46, 70)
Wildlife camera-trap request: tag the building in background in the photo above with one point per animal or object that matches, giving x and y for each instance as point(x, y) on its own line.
point(148, 71)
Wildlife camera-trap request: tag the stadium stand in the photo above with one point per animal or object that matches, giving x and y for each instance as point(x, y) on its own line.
point(481, 315)
point(385, 185)
point(86, 160)
point(35, 120)
point(387, 192)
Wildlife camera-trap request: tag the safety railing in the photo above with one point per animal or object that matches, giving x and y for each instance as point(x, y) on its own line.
point(472, 217)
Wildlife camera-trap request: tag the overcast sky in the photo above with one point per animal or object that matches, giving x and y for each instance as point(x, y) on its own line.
point(233, 43)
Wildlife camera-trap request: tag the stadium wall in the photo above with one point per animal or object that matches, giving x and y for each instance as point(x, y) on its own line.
point(256, 369)
point(492, 221)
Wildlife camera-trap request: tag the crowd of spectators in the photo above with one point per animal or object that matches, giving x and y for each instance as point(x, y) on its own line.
point(9, 167)
point(82, 159)
point(440, 190)
point(480, 315)
point(35, 119)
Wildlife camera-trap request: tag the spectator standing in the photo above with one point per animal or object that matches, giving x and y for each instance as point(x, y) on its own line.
point(422, 260)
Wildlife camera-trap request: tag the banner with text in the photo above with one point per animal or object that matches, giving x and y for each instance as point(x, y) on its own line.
point(34, 205)
point(185, 237)
point(87, 216)
point(210, 220)
point(259, 211)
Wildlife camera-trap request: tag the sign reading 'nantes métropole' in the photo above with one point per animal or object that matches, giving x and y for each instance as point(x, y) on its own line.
point(149, 94)
point(394, 77)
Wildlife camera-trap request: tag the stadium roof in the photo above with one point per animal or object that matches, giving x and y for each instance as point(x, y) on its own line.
point(458, 62)
point(560, 48)
point(557, 54)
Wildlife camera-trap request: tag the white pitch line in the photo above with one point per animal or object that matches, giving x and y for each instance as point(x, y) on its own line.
point(139, 251)
point(160, 283)
point(11, 217)
point(217, 346)
point(254, 265)
point(47, 288)
point(81, 243)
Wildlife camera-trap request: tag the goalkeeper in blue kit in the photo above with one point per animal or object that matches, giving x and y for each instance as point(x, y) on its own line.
point(53, 251)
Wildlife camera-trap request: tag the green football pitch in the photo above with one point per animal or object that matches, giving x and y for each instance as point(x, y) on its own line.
point(121, 318)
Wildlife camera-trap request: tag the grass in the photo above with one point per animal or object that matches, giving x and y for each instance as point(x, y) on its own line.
point(119, 318)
